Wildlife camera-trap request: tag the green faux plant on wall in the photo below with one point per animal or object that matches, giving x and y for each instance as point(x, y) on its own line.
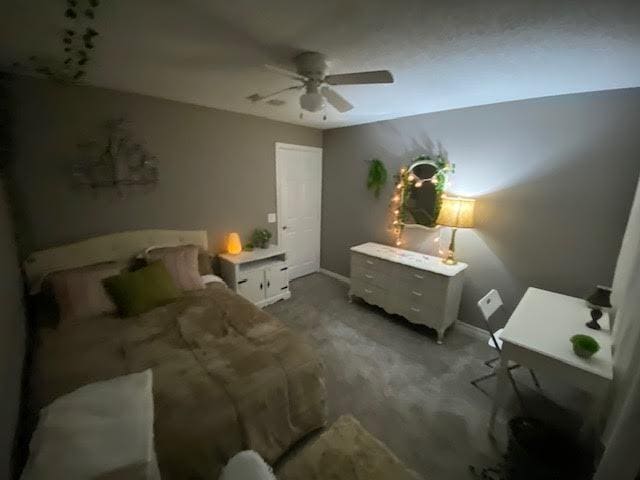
point(377, 176)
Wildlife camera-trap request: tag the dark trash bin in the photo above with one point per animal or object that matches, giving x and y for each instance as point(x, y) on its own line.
point(537, 451)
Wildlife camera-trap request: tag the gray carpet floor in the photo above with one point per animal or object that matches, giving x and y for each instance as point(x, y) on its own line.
point(411, 393)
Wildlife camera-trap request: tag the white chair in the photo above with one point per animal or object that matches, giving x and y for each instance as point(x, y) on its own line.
point(488, 305)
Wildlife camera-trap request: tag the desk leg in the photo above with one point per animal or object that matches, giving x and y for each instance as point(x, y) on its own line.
point(502, 386)
point(591, 425)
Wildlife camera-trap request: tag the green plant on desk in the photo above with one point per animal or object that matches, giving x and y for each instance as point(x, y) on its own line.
point(584, 346)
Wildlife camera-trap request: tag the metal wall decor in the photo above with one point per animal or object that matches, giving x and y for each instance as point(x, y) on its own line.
point(120, 163)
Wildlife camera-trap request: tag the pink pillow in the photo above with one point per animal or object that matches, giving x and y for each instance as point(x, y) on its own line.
point(182, 264)
point(79, 292)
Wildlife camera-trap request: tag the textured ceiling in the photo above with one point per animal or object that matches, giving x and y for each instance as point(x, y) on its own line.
point(444, 55)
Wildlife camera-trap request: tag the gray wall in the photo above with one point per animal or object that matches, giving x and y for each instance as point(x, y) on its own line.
point(217, 168)
point(554, 178)
point(12, 335)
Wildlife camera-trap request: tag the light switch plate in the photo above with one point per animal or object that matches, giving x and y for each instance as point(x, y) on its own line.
point(271, 217)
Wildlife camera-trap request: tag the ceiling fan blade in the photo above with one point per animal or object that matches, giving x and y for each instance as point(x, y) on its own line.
point(285, 72)
point(256, 97)
point(334, 98)
point(360, 78)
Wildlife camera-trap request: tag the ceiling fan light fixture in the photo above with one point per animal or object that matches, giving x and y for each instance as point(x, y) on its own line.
point(312, 102)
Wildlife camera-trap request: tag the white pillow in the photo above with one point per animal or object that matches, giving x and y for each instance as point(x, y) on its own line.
point(102, 430)
point(247, 465)
point(207, 279)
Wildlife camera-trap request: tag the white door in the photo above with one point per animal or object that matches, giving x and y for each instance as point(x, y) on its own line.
point(277, 281)
point(299, 190)
point(251, 285)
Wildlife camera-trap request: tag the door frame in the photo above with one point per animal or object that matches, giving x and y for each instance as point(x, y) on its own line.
point(304, 148)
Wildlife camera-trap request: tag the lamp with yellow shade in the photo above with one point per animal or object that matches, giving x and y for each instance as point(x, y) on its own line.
point(455, 212)
point(233, 243)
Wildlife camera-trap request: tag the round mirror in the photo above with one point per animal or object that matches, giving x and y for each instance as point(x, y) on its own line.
point(420, 201)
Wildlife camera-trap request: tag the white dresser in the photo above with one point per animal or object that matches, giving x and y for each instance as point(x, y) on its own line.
point(260, 276)
point(417, 286)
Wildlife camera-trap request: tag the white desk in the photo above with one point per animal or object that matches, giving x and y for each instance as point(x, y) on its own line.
point(537, 337)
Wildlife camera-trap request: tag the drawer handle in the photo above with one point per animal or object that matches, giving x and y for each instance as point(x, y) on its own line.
point(417, 275)
point(366, 290)
point(417, 294)
point(369, 262)
point(415, 309)
point(368, 276)
point(283, 269)
point(242, 281)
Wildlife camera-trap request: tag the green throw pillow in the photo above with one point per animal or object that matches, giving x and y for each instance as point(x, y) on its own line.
point(140, 291)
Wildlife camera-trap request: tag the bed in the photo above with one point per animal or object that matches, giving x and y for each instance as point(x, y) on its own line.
point(227, 376)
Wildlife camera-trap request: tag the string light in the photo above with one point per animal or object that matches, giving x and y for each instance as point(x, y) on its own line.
point(406, 180)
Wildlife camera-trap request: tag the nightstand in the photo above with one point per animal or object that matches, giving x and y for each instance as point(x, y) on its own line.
point(261, 275)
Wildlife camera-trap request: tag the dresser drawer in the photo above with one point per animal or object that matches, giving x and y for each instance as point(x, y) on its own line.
point(418, 312)
point(420, 283)
point(424, 295)
point(368, 292)
point(370, 263)
point(371, 276)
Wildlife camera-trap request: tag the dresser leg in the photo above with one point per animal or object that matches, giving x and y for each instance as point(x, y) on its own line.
point(350, 296)
point(440, 337)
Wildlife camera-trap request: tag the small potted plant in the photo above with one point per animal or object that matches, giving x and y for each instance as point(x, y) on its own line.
point(260, 238)
point(584, 346)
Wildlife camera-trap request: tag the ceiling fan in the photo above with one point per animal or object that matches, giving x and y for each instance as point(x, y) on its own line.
point(311, 72)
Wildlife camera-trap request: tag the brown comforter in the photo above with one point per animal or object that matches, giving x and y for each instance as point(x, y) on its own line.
point(227, 377)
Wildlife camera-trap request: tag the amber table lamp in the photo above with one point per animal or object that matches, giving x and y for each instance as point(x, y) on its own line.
point(233, 243)
point(455, 212)
point(599, 300)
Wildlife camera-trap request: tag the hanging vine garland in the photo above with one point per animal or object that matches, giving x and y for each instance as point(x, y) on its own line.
point(406, 179)
point(77, 41)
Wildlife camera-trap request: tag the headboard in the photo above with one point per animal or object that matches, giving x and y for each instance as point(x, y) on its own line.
point(121, 246)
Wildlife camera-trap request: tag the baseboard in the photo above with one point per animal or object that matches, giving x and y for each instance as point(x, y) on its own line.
point(335, 275)
point(472, 330)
